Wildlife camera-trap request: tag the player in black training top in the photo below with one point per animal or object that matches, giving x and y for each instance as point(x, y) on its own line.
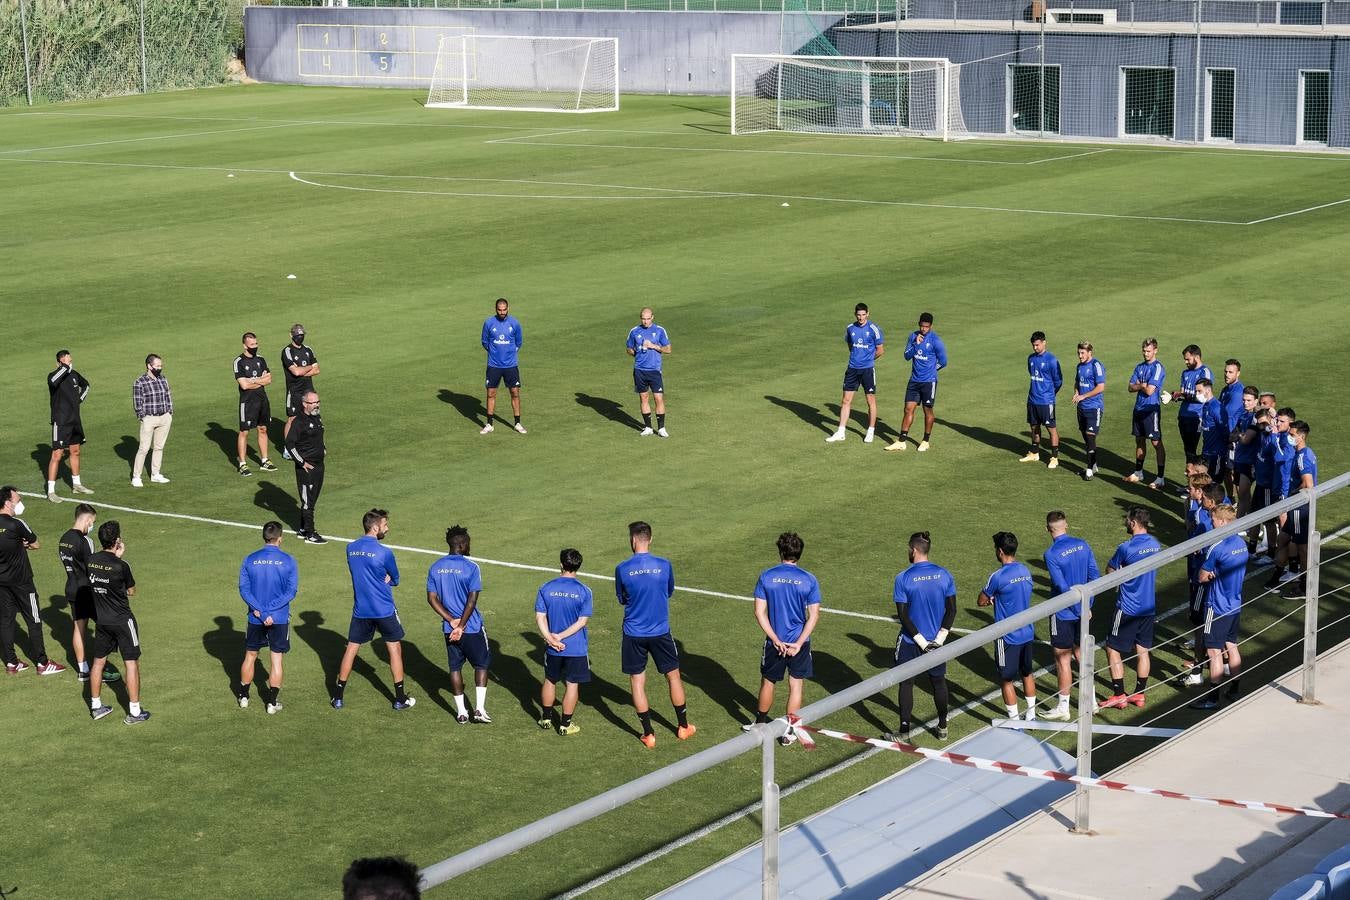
point(304, 442)
point(113, 586)
point(68, 389)
point(253, 376)
point(74, 550)
point(18, 596)
point(301, 366)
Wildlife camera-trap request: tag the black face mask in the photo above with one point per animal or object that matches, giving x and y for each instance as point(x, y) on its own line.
point(298, 338)
point(251, 351)
point(158, 373)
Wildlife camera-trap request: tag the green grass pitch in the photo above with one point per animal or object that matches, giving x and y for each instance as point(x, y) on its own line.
point(124, 233)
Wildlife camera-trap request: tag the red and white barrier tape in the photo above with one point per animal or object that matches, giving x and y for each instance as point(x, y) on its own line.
point(1007, 768)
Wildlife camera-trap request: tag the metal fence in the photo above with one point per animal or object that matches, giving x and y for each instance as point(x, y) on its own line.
point(765, 736)
point(835, 6)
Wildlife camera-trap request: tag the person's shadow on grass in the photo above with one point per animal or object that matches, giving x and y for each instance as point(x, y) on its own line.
point(609, 700)
point(468, 406)
point(42, 455)
point(811, 415)
point(276, 500)
point(709, 676)
point(329, 646)
point(511, 674)
point(610, 409)
point(833, 674)
point(126, 449)
point(226, 644)
point(420, 670)
point(227, 439)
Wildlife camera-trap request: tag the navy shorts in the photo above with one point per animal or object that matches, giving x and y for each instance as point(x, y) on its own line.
point(1220, 630)
point(924, 392)
point(571, 669)
point(1013, 660)
point(1128, 632)
point(471, 646)
point(1196, 608)
point(1189, 426)
point(496, 376)
point(67, 434)
point(1147, 424)
point(362, 630)
point(255, 411)
point(1262, 496)
point(1065, 634)
point(82, 604)
point(905, 651)
point(1244, 470)
point(865, 377)
point(276, 638)
point(1296, 526)
point(1213, 464)
point(1041, 414)
point(772, 665)
point(645, 380)
point(1090, 420)
point(662, 650)
point(293, 401)
point(121, 636)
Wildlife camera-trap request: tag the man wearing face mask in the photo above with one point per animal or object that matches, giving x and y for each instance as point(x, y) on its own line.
point(253, 377)
point(301, 366)
point(304, 444)
point(374, 577)
point(18, 596)
point(153, 403)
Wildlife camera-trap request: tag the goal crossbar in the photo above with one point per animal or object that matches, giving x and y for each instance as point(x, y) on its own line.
point(526, 73)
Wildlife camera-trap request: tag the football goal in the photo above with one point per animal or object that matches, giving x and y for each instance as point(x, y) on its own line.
point(543, 74)
point(846, 95)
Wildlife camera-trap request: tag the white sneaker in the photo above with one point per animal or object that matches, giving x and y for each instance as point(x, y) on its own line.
point(1087, 474)
point(646, 432)
point(900, 444)
point(1030, 715)
point(159, 479)
point(1158, 483)
point(136, 482)
point(1135, 477)
point(923, 445)
point(1262, 546)
point(285, 454)
point(1031, 456)
point(1288, 576)
point(486, 429)
point(869, 437)
point(661, 432)
point(520, 428)
point(1058, 714)
point(1053, 463)
point(1265, 559)
point(1195, 679)
point(274, 708)
point(1188, 644)
point(836, 437)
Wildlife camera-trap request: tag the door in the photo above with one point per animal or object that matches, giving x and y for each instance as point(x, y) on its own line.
point(1314, 107)
point(1148, 102)
point(1222, 88)
point(1033, 98)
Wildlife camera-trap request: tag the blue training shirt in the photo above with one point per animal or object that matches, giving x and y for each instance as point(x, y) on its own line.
point(1305, 463)
point(1227, 561)
point(1149, 373)
point(1190, 407)
point(268, 581)
point(863, 341)
point(369, 562)
point(564, 600)
point(1046, 378)
point(1070, 562)
point(788, 590)
point(1010, 589)
point(1136, 596)
point(643, 584)
point(1214, 428)
point(924, 587)
point(1245, 454)
point(1089, 375)
point(928, 357)
point(1230, 398)
point(452, 578)
point(502, 341)
point(647, 360)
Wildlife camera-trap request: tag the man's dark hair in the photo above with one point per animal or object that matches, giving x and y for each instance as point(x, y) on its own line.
point(570, 560)
point(272, 532)
point(457, 539)
point(150, 356)
point(1037, 336)
point(1287, 412)
point(640, 530)
point(921, 542)
point(1270, 394)
point(247, 335)
point(861, 307)
point(1193, 350)
point(61, 353)
point(926, 317)
point(1055, 515)
point(1251, 390)
point(1137, 516)
point(1230, 361)
point(84, 509)
point(372, 518)
point(1214, 493)
point(1005, 542)
point(109, 533)
point(5, 493)
point(1301, 427)
point(790, 546)
point(1205, 381)
point(381, 878)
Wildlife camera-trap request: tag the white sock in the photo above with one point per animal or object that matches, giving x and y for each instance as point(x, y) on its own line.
point(871, 430)
point(1031, 707)
point(95, 702)
point(83, 665)
point(1064, 701)
point(479, 698)
point(1012, 711)
point(51, 487)
point(135, 708)
point(74, 479)
point(459, 705)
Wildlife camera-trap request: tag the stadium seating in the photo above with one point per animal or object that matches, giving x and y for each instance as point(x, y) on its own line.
point(1335, 867)
point(1304, 887)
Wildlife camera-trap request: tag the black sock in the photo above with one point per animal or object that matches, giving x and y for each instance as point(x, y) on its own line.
point(660, 420)
point(761, 717)
point(276, 696)
point(1054, 451)
point(1117, 686)
point(646, 719)
point(682, 715)
point(647, 419)
point(566, 720)
point(550, 713)
point(340, 686)
point(927, 435)
point(1160, 470)
point(904, 435)
point(1233, 687)
point(1140, 683)
point(398, 691)
point(1035, 446)
point(242, 692)
point(517, 420)
point(940, 698)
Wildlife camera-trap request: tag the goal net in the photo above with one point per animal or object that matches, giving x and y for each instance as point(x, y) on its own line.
point(544, 74)
point(846, 95)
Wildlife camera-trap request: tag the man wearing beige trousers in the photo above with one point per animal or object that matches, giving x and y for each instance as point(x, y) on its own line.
point(153, 403)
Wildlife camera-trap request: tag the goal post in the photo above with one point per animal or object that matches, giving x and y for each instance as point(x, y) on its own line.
point(540, 74)
point(871, 95)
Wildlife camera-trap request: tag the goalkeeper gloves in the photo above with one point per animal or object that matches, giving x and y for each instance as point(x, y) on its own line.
point(941, 638)
point(922, 642)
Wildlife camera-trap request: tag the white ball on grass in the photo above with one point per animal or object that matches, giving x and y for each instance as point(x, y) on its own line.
point(290, 277)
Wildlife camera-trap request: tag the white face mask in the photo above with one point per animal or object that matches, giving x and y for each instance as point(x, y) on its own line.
point(18, 508)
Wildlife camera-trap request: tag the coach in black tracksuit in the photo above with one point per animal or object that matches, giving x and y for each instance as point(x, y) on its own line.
point(305, 443)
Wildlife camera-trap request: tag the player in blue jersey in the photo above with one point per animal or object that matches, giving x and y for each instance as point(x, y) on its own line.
point(1008, 590)
point(1188, 412)
point(374, 577)
point(502, 337)
point(268, 581)
point(787, 607)
point(1274, 460)
point(562, 610)
point(866, 344)
point(928, 355)
point(647, 344)
point(925, 601)
point(1246, 441)
point(1198, 522)
point(453, 586)
point(1223, 571)
point(1230, 401)
point(1046, 380)
point(1089, 397)
point(1214, 430)
point(643, 584)
point(1070, 562)
point(1293, 540)
point(1146, 384)
point(1136, 609)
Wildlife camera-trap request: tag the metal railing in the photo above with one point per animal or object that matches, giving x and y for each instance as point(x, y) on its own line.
point(765, 736)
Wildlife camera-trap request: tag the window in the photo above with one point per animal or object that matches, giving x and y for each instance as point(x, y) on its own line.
point(1219, 124)
point(1314, 107)
point(1148, 102)
point(1300, 13)
point(1033, 105)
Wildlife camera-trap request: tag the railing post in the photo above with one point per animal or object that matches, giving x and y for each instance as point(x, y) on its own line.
point(1087, 702)
point(769, 815)
point(1312, 583)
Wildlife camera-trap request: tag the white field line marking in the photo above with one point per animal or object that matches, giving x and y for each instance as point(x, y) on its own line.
point(155, 137)
point(1297, 212)
point(438, 553)
point(492, 196)
point(941, 159)
point(509, 140)
point(1037, 162)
